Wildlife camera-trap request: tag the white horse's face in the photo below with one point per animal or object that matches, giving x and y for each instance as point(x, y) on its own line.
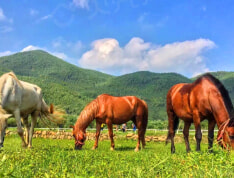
point(3, 126)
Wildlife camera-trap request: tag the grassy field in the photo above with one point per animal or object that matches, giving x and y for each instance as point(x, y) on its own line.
point(57, 158)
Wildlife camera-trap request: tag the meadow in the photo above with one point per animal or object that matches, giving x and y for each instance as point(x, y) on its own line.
point(57, 158)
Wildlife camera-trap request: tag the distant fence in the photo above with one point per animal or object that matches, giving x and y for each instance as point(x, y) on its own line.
point(179, 131)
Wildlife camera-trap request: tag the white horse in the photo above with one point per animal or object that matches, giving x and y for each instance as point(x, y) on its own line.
point(20, 99)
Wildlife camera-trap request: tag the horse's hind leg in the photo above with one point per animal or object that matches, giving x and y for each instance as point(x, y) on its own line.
point(211, 126)
point(141, 132)
point(111, 135)
point(98, 129)
point(27, 127)
point(186, 135)
point(33, 123)
point(173, 122)
point(198, 135)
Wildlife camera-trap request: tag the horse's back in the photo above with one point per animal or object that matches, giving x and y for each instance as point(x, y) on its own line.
point(185, 98)
point(178, 100)
point(120, 109)
point(31, 96)
point(18, 94)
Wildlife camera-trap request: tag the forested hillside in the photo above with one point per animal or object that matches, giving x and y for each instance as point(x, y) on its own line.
point(72, 87)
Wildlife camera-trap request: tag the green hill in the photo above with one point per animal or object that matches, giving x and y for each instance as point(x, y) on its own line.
point(72, 87)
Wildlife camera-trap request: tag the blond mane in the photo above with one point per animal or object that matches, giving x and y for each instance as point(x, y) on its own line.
point(88, 114)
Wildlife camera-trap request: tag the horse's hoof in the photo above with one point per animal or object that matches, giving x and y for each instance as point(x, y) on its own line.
point(94, 148)
point(112, 149)
point(136, 149)
point(24, 145)
point(30, 147)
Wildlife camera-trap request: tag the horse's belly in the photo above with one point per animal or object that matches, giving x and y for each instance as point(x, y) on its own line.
point(120, 120)
point(183, 114)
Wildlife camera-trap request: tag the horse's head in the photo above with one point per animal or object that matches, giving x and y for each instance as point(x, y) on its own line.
point(3, 126)
point(226, 135)
point(80, 137)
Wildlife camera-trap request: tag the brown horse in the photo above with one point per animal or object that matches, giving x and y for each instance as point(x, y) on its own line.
point(206, 98)
point(111, 110)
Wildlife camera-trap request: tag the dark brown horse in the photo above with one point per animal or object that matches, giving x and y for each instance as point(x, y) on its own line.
point(206, 98)
point(111, 110)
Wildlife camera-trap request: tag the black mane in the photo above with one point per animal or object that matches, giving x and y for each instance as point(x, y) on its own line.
point(222, 90)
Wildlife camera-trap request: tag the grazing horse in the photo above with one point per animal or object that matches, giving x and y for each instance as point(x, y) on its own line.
point(206, 98)
point(111, 110)
point(20, 99)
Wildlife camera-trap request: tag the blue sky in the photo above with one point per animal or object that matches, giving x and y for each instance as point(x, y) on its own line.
point(123, 36)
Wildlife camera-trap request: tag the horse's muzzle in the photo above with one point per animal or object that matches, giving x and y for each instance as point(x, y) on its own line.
point(78, 147)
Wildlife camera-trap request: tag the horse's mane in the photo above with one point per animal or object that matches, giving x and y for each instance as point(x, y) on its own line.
point(88, 114)
point(223, 91)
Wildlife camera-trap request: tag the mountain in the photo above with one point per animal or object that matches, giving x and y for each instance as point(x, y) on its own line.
point(72, 87)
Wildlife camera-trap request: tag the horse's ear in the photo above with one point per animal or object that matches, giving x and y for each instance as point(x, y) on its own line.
point(72, 126)
point(51, 108)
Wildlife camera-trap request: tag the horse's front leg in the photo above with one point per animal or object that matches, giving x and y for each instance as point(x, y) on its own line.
point(111, 135)
point(19, 127)
point(211, 126)
point(33, 123)
point(98, 129)
point(198, 135)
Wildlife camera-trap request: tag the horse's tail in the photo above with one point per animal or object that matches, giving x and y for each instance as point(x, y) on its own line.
point(53, 114)
point(145, 116)
point(173, 120)
point(145, 113)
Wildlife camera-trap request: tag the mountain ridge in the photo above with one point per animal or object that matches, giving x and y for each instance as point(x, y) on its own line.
point(72, 87)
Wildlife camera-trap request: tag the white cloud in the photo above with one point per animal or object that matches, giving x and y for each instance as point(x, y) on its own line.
point(84, 4)
point(30, 48)
point(33, 12)
point(2, 16)
point(5, 29)
point(5, 53)
point(182, 57)
point(54, 53)
point(45, 17)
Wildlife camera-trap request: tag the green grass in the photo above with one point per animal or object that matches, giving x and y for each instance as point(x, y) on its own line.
point(57, 158)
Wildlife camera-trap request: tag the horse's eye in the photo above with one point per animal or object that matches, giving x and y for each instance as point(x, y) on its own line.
point(231, 137)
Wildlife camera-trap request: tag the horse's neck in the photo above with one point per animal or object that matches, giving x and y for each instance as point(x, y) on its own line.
point(82, 124)
point(218, 108)
point(221, 118)
point(88, 115)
